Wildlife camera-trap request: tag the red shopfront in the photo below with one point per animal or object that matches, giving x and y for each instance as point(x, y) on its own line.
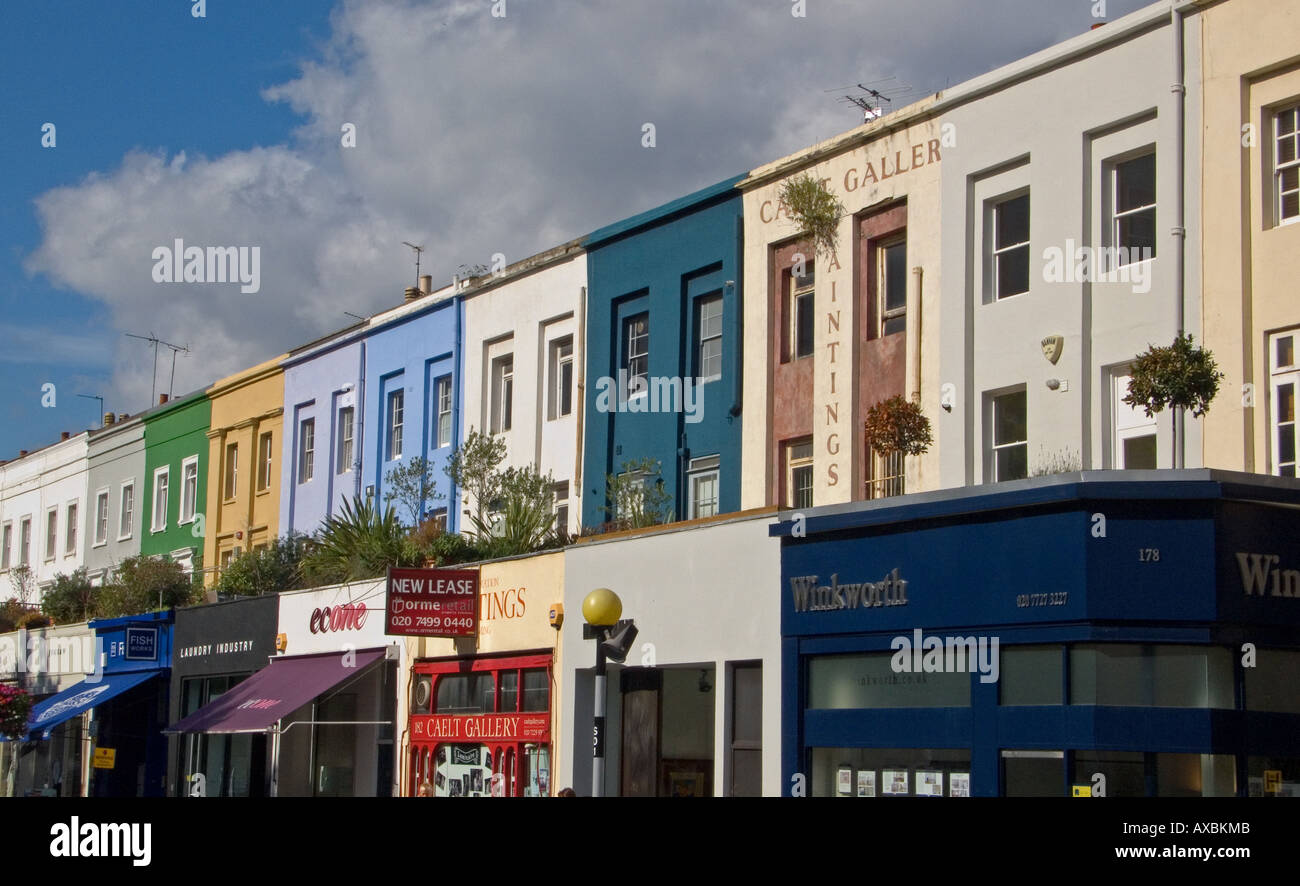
point(481, 727)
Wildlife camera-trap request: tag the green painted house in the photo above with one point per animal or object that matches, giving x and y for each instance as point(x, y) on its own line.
point(176, 479)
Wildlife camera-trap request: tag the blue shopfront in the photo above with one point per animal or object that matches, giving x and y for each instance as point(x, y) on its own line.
point(1108, 633)
point(127, 699)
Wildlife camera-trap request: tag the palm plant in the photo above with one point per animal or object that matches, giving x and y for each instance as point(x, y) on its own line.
point(359, 542)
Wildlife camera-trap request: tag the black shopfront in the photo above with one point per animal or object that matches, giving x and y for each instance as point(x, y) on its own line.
point(217, 647)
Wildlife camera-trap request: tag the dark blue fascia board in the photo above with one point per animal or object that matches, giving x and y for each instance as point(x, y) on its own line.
point(1198, 484)
point(661, 214)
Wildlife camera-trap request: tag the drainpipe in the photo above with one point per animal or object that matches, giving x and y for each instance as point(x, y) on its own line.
point(1179, 88)
point(458, 405)
point(580, 375)
point(914, 337)
point(358, 439)
point(731, 293)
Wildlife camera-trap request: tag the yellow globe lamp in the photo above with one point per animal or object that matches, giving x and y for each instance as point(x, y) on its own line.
point(602, 607)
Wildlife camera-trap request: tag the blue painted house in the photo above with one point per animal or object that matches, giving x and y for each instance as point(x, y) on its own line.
point(663, 362)
point(412, 397)
point(323, 394)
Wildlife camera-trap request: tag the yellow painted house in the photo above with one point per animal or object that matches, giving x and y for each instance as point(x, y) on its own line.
point(1251, 218)
point(244, 445)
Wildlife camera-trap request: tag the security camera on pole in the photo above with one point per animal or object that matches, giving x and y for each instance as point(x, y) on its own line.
point(614, 638)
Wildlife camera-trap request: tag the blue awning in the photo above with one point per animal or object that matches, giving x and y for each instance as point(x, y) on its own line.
point(82, 697)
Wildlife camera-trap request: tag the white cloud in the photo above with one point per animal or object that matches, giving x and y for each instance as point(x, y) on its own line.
point(478, 135)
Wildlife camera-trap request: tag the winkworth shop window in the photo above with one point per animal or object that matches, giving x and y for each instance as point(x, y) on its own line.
point(1138, 774)
point(230, 765)
point(1273, 776)
point(869, 681)
point(890, 772)
point(1132, 675)
point(1031, 675)
point(1271, 683)
point(481, 728)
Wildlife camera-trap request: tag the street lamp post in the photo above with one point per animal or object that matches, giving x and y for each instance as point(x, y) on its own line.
point(601, 610)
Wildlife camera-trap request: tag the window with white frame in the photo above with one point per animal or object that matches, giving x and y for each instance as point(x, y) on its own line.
point(561, 507)
point(70, 531)
point(636, 353)
point(1133, 443)
point(799, 474)
point(1284, 380)
point(159, 500)
point(306, 450)
point(799, 322)
point(708, 323)
point(892, 288)
point(51, 533)
point(232, 472)
point(503, 393)
point(7, 539)
point(264, 462)
point(702, 480)
point(1286, 163)
point(1133, 209)
point(347, 419)
point(560, 397)
point(396, 418)
point(101, 517)
point(126, 514)
point(1010, 247)
point(1009, 438)
point(190, 486)
point(442, 392)
point(25, 542)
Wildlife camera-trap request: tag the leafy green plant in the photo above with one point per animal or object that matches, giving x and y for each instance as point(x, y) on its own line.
point(71, 599)
point(359, 542)
point(897, 425)
point(413, 486)
point(147, 583)
point(269, 570)
point(637, 496)
point(525, 521)
point(473, 467)
point(1180, 376)
point(814, 209)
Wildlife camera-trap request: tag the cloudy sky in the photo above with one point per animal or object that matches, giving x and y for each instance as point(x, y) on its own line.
point(475, 134)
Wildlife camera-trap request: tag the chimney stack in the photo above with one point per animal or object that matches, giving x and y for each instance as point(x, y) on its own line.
point(426, 284)
point(122, 416)
point(64, 435)
point(411, 294)
point(22, 453)
point(162, 398)
point(108, 419)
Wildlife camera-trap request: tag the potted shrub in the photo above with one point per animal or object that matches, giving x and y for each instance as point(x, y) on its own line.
point(1180, 376)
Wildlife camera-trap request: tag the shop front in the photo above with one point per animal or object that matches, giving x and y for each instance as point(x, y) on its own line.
point(217, 647)
point(125, 699)
point(691, 712)
point(482, 715)
point(326, 703)
point(45, 661)
point(1097, 634)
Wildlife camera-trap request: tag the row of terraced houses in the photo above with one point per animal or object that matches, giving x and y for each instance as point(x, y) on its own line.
point(1009, 246)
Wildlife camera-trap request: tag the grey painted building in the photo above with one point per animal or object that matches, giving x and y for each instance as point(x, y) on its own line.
point(115, 489)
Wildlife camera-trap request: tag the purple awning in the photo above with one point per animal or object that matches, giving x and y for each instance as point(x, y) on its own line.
point(276, 691)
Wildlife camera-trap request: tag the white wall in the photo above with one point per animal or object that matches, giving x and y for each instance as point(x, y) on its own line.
point(522, 316)
point(53, 477)
point(699, 597)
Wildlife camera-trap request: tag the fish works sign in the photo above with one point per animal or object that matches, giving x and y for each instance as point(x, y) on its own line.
point(432, 602)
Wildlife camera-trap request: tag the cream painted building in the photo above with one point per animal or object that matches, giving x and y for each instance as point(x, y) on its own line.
point(1251, 210)
point(522, 366)
point(829, 336)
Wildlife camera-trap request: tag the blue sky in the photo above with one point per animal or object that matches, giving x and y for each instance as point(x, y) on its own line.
point(476, 135)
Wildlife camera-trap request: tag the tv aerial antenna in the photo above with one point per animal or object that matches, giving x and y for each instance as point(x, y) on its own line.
point(156, 341)
point(418, 250)
point(873, 100)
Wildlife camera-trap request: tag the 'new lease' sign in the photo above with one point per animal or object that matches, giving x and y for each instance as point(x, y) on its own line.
point(432, 602)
